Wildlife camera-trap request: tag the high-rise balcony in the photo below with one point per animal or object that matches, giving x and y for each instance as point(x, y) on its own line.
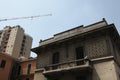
point(71, 66)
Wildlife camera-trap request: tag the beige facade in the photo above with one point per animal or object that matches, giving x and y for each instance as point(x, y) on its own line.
point(26, 69)
point(6, 63)
point(82, 53)
point(15, 42)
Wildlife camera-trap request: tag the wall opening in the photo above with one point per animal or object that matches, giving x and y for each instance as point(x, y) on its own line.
point(29, 69)
point(79, 55)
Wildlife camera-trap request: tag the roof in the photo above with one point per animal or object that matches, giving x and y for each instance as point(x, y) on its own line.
point(8, 56)
point(81, 30)
point(29, 59)
point(72, 32)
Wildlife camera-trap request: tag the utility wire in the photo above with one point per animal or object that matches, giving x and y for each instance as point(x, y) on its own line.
point(28, 17)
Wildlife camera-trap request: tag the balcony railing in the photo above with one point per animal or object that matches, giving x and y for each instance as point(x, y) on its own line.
point(71, 65)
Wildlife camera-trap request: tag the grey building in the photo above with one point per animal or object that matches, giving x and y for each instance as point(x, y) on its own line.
point(83, 53)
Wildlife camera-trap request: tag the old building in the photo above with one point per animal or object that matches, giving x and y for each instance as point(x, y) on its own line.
point(83, 53)
point(7, 63)
point(15, 42)
point(16, 69)
point(15, 48)
point(26, 69)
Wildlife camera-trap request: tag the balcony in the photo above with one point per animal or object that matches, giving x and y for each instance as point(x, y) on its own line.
point(25, 74)
point(71, 66)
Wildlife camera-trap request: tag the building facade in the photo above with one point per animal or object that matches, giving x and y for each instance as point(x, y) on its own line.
point(6, 66)
point(26, 69)
point(15, 42)
point(16, 69)
point(83, 53)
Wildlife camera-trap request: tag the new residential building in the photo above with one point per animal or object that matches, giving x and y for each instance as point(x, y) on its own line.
point(83, 53)
point(15, 42)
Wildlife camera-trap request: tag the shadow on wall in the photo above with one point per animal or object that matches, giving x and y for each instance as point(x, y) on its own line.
point(95, 77)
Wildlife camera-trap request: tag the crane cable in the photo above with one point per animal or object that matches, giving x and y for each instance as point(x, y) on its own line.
point(28, 17)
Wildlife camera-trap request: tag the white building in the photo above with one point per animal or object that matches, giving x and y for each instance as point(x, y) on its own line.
point(15, 42)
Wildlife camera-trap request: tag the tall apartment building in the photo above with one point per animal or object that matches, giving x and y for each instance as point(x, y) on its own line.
point(15, 42)
point(83, 53)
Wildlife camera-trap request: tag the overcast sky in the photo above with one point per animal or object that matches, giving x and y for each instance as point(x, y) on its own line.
point(66, 14)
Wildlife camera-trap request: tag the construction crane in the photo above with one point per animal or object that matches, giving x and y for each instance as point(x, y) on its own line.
point(28, 17)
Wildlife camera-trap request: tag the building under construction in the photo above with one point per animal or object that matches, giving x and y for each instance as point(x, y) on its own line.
point(83, 53)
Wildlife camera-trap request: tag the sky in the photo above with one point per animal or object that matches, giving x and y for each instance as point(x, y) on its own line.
point(66, 14)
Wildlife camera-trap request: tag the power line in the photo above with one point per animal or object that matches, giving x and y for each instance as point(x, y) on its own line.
point(28, 17)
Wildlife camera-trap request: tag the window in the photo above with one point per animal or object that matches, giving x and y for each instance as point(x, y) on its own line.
point(29, 69)
point(24, 37)
point(23, 41)
point(81, 78)
point(55, 58)
point(4, 46)
point(22, 49)
point(19, 70)
point(7, 38)
point(23, 44)
point(21, 54)
point(2, 65)
point(27, 79)
point(79, 55)
point(9, 30)
point(3, 50)
point(5, 42)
